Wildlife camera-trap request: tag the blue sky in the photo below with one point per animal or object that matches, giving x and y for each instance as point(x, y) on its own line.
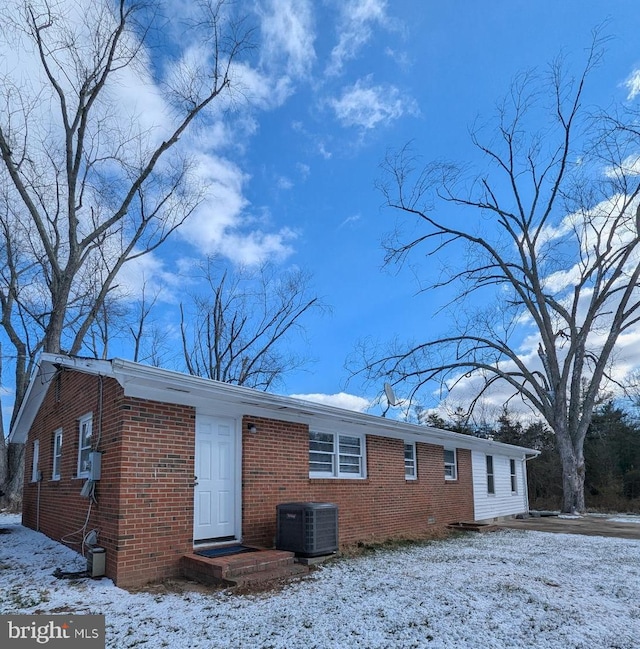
point(332, 85)
point(430, 69)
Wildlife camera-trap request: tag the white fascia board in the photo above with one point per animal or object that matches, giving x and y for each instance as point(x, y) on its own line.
point(205, 395)
point(174, 387)
point(43, 372)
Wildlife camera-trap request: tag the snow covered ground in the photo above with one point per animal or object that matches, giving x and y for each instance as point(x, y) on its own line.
point(503, 589)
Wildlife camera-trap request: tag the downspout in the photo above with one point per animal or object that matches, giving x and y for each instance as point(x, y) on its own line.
point(39, 479)
point(525, 459)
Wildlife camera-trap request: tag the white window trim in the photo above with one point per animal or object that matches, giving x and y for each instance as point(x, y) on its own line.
point(409, 476)
point(491, 492)
point(454, 464)
point(35, 460)
point(57, 457)
point(513, 475)
point(336, 475)
point(85, 419)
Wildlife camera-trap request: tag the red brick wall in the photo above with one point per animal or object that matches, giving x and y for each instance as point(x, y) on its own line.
point(63, 511)
point(156, 459)
point(144, 509)
point(382, 506)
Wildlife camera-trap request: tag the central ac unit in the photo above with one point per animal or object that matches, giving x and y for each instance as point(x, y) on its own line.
point(308, 529)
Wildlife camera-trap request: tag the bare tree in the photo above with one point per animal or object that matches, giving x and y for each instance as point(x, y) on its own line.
point(239, 330)
point(83, 189)
point(548, 243)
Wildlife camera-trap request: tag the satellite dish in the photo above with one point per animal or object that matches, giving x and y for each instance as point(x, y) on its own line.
point(390, 394)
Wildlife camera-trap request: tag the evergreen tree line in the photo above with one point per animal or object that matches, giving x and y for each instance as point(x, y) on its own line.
point(611, 449)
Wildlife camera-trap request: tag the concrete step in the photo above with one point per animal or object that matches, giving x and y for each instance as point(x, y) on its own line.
point(253, 562)
point(473, 526)
point(247, 567)
point(273, 575)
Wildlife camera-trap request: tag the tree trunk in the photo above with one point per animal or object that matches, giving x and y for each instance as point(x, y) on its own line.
point(11, 499)
point(572, 477)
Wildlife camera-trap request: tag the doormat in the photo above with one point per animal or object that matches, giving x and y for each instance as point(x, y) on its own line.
point(226, 551)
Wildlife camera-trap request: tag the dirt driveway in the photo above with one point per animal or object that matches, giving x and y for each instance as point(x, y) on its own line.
point(589, 525)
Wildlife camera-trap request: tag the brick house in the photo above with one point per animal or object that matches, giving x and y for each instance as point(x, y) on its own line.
point(185, 462)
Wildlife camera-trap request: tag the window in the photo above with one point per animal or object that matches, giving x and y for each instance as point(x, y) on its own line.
point(410, 468)
point(35, 473)
point(84, 445)
point(335, 455)
point(514, 478)
point(491, 488)
point(450, 466)
point(57, 454)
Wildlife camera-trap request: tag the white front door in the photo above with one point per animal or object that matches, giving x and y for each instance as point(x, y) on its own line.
point(216, 494)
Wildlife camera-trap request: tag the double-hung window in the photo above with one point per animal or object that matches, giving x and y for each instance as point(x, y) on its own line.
point(450, 465)
point(410, 466)
point(35, 461)
point(491, 487)
point(84, 445)
point(57, 454)
point(333, 455)
point(514, 477)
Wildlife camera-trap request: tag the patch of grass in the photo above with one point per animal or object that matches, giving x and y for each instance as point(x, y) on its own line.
point(363, 548)
point(20, 599)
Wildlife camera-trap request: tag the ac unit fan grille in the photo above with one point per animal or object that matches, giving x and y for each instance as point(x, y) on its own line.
point(308, 529)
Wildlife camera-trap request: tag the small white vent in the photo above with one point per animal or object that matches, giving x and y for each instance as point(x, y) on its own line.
point(96, 562)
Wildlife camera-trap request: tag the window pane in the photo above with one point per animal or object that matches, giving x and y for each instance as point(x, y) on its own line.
point(322, 447)
point(321, 455)
point(57, 454)
point(35, 459)
point(86, 433)
point(450, 464)
point(490, 481)
point(350, 445)
point(349, 464)
point(409, 461)
point(321, 437)
point(321, 463)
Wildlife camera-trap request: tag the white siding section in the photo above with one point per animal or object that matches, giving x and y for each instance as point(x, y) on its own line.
point(503, 502)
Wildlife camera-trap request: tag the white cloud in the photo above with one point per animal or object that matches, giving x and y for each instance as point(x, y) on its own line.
point(354, 218)
point(223, 223)
point(303, 169)
point(149, 274)
point(366, 106)
point(254, 89)
point(288, 36)
point(282, 182)
point(323, 151)
point(632, 84)
point(358, 17)
point(257, 246)
point(339, 400)
point(630, 166)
